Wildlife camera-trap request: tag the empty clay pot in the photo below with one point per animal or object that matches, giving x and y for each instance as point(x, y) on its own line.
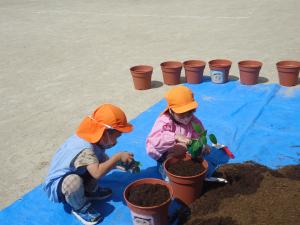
point(194, 71)
point(249, 71)
point(171, 72)
point(186, 188)
point(219, 70)
point(141, 76)
point(288, 72)
point(152, 214)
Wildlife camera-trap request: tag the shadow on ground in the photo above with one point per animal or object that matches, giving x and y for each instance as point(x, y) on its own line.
point(156, 84)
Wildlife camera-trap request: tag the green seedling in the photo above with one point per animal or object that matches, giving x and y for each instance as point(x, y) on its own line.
point(132, 167)
point(196, 145)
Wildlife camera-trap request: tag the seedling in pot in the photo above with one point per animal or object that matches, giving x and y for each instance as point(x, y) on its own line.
point(196, 145)
point(195, 148)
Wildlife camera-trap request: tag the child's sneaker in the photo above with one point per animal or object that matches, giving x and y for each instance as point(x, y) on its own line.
point(100, 194)
point(87, 215)
point(216, 179)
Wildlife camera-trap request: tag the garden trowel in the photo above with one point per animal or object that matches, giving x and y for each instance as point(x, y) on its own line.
point(225, 149)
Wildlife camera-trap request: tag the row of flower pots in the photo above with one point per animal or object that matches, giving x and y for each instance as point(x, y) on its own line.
point(288, 72)
point(146, 198)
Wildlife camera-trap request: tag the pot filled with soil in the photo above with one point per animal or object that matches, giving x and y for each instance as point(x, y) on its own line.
point(194, 71)
point(219, 70)
point(186, 177)
point(288, 72)
point(148, 200)
point(249, 71)
point(171, 72)
point(141, 76)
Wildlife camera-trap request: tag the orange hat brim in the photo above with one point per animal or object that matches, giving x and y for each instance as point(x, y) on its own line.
point(90, 130)
point(125, 129)
point(185, 108)
point(182, 109)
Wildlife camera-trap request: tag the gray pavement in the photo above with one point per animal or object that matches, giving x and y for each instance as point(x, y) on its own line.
point(59, 59)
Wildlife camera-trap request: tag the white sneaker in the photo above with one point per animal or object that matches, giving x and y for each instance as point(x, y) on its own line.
point(88, 215)
point(216, 179)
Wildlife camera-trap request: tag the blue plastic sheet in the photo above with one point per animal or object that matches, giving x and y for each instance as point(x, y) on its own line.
point(259, 123)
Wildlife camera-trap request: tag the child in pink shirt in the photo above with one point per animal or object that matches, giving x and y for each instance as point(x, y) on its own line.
point(173, 131)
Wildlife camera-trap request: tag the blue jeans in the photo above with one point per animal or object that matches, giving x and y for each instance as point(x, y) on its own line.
point(215, 158)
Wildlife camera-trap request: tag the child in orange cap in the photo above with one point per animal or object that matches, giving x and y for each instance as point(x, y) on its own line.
point(173, 132)
point(81, 161)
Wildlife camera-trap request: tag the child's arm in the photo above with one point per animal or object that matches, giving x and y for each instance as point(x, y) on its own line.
point(98, 170)
point(162, 137)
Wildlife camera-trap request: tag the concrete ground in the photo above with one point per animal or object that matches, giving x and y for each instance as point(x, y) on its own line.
point(60, 59)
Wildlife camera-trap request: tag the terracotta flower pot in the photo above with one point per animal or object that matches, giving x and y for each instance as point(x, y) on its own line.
point(141, 76)
point(171, 72)
point(219, 70)
point(194, 71)
point(158, 214)
point(288, 72)
point(186, 188)
point(249, 71)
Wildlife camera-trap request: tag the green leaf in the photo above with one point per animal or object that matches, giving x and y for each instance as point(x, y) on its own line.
point(213, 138)
point(204, 140)
point(204, 133)
point(197, 127)
point(190, 149)
point(196, 146)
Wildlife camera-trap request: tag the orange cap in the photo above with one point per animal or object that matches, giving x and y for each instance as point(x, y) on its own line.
point(180, 99)
point(104, 117)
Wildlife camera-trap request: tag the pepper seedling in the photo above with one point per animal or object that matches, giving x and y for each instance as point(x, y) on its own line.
point(196, 145)
point(132, 167)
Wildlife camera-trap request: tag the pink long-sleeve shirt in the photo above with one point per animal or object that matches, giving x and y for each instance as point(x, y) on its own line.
point(162, 135)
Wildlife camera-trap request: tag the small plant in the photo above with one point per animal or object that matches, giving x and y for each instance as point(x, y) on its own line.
point(132, 167)
point(196, 145)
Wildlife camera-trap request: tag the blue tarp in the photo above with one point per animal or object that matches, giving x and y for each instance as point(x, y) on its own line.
point(259, 123)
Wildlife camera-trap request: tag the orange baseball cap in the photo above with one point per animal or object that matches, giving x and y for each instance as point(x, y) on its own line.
point(180, 99)
point(106, 116)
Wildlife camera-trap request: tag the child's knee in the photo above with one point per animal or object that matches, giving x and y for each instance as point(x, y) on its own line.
point(72, 183)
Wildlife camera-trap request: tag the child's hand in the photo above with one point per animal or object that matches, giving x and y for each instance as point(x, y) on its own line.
point(182, 139)
point(178, 150)
point(206, 149)
point(125, 157)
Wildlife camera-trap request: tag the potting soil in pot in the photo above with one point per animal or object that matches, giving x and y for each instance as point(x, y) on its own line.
point(186, 168)
point(148, 194)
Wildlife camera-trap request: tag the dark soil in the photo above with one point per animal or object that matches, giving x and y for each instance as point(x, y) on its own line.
point(255, 195)
point(186, 168)
point(148, 195)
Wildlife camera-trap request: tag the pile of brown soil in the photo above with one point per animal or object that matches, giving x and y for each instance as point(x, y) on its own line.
point(186, 168)
point(255, 195)
point(148, 195)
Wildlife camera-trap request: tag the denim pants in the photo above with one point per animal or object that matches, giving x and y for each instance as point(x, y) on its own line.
point(73, 187)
